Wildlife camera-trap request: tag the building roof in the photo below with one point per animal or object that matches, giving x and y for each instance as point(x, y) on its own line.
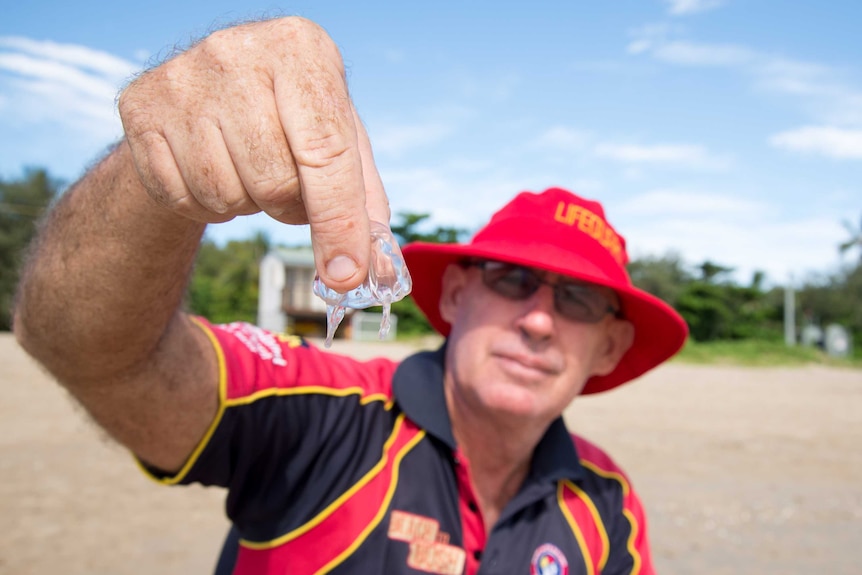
point(294, 257)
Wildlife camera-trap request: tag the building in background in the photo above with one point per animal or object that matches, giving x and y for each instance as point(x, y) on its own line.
point(286, 303)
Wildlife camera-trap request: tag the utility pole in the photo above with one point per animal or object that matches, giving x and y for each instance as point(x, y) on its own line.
point(789, 313)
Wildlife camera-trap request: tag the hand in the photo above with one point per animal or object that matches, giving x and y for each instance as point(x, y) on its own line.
point(258, 118)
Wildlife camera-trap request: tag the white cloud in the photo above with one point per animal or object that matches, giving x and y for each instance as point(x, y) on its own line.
point(826, 140)
point(683, 155)
point(729, 230)
point(394, 140)
point(562, 138)
point(684, 202)
point(48, 81)
point(104, 64)
point(580, 143)
point(59, 74)
point(648, 36)
point(65, 92)
point(690, 53)
point(819, 87)
point(684, 7)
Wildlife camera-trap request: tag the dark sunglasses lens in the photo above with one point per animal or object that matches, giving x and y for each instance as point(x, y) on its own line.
point(580, 303)
point(510, 281)
point(574, 301)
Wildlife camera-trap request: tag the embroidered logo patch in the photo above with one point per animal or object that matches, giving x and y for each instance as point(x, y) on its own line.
point(263, 343)
point(429, 547)
point(549, 560)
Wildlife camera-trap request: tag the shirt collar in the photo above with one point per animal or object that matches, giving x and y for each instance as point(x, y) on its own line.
point(418, 389)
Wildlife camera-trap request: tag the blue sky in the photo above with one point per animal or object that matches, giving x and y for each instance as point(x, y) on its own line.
point(728, 130)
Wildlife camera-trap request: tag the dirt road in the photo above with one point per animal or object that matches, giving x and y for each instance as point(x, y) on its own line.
point(742, 471)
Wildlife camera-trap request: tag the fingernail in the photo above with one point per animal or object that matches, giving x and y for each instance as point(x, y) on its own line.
point(341, 268)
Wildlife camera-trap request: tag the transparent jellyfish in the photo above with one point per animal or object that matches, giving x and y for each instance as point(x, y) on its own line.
point(388, 281)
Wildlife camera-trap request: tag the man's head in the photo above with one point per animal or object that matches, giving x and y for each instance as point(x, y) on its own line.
point(559, 238)
point(523, 342)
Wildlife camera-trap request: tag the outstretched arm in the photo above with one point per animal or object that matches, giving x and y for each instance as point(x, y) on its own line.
point(252, 118)
point(98, 307)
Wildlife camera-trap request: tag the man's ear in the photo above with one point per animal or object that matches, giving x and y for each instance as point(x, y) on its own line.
point(619, 337)
point(454, 279)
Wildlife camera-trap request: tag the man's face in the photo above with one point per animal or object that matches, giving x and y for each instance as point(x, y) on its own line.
point(524, 357)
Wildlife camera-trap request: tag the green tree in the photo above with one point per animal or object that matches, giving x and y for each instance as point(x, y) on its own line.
point(406, 228)
point(855, 240)
point(717, 308)
point(22, 203)
point(224, 284)
point(664, 277)
point(835, 298)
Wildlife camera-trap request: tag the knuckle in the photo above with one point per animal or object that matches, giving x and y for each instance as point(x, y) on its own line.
point(173, 198)
point(218, 50)
point(213, 192)
point(297, 32)
point(277, 195)
point(323, 151)
point(336, 213)
point(132, 109)
point(148, 101)
point(336, 228)
point(191, 208)
point(239, 205)
point(268, 151)
point(298, 26)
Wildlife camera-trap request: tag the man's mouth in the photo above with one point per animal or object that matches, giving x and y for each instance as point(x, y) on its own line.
point(528, 364)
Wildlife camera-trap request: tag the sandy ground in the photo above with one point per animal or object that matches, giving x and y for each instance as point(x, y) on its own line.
point(741, 470)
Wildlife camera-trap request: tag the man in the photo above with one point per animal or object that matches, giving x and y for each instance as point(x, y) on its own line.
point(455, 461)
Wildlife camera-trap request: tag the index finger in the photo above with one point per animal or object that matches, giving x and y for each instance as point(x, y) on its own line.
point(322, 132)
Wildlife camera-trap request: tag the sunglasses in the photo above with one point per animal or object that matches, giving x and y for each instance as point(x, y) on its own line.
point(574, 301)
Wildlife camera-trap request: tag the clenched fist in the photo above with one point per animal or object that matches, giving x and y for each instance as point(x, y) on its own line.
point(258, 118)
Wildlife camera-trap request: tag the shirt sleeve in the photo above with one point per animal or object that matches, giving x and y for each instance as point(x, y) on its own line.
point(621, 514)
point(629, 541)
point(280, 400)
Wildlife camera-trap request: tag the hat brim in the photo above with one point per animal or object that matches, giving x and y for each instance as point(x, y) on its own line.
point(659, 331)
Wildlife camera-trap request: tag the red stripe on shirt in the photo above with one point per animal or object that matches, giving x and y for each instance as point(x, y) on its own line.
point(341, 528)
point(287, 365)
point(637, 545)
point(586, 525)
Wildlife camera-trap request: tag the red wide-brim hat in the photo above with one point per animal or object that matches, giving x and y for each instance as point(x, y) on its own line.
point(565, 234)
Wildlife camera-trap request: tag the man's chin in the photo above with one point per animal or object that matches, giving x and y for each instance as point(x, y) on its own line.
point(516, 402)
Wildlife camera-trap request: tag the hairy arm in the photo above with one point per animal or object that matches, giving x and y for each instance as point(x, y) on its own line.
point(253, 118)
point(98, 308)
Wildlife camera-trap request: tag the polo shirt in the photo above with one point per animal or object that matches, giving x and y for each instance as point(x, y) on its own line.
point(334, 465)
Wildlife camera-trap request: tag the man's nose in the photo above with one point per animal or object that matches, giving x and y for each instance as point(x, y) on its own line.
point(537, 320)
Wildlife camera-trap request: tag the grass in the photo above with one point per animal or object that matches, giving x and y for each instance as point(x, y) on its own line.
point(760, 353)
point(750, 352)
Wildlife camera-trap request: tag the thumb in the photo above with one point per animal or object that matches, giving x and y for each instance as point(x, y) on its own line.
point(340, 232)
point(376, 201)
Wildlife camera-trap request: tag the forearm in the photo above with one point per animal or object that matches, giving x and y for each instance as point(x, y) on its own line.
point(105, 276)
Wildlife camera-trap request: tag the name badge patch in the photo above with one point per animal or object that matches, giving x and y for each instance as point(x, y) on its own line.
point(429, 547)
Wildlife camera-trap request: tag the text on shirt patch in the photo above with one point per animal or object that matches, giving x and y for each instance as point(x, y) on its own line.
point(429, 547)
point(258, 341)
